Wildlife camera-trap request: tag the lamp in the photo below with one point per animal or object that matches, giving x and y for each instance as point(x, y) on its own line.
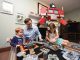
point(52, 5)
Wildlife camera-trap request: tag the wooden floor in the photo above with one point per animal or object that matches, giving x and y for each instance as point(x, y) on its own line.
point(4, 55)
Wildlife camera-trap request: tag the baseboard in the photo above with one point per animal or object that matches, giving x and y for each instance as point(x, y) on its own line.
point(5, 49)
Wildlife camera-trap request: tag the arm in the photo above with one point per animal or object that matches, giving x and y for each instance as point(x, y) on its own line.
point(47, 36)
point(56, 36)
point(39, 34)
point(13, 42)
point(9, 39)
point(40, 37)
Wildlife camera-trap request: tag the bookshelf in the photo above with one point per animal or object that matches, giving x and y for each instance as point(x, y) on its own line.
point(71, 32)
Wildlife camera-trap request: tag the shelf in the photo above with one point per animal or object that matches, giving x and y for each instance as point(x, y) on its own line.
point(34, 16)
point(71, 33)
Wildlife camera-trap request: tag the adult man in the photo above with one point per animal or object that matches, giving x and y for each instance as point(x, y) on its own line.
point(31, 31)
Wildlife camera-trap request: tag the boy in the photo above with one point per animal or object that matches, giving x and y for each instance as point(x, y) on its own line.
point(17, 40)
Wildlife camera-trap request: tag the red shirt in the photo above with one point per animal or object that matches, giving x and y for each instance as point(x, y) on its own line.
point(42, 21)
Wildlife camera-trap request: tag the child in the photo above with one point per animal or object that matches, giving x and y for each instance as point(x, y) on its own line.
point(53, 37)
point(17, 40)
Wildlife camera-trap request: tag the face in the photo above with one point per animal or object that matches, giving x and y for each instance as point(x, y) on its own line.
point(20, 33)
point(52, 26)
point(29, 24)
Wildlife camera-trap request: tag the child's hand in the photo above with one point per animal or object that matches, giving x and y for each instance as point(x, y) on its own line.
point(8, 40)
point(17, 45)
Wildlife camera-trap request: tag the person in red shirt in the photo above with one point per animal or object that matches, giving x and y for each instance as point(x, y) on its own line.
point(42, 21)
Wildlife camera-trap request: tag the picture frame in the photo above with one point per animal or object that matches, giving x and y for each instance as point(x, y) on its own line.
point(53, 11)
point(42, 9)
point(20, 18)
point(6, 7)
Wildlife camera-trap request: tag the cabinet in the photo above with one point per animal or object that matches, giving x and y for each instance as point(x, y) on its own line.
point(71, 32)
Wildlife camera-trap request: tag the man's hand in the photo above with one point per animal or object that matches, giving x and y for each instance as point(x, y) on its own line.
point(41, 39)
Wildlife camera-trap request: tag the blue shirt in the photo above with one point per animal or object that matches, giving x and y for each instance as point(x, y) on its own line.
point(31, 33)
point(16, 41)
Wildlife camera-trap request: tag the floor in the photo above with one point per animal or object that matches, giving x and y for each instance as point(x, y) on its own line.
point(4, 55)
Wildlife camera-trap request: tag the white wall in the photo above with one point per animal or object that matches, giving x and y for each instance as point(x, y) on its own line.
point(74, 15)
point(7, 22)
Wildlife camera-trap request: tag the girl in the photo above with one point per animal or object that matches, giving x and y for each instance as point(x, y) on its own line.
point(53, 37)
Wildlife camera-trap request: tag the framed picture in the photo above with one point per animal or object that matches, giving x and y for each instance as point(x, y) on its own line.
point(20, 19)
point(53, 11)
point(56, 12)
point(6, 7)
point(42, 9)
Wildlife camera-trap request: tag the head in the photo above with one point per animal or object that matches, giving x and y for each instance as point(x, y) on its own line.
point(19, 32)
point(28, 22)
point(52, 27)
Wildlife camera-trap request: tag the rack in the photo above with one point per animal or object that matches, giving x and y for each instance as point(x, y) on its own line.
point(71, 32)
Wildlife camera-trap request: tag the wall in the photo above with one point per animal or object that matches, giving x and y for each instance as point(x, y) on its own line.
point(74, 15)
point(7, 22)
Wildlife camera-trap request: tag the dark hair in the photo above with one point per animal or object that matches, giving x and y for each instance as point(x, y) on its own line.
point(27, 20)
